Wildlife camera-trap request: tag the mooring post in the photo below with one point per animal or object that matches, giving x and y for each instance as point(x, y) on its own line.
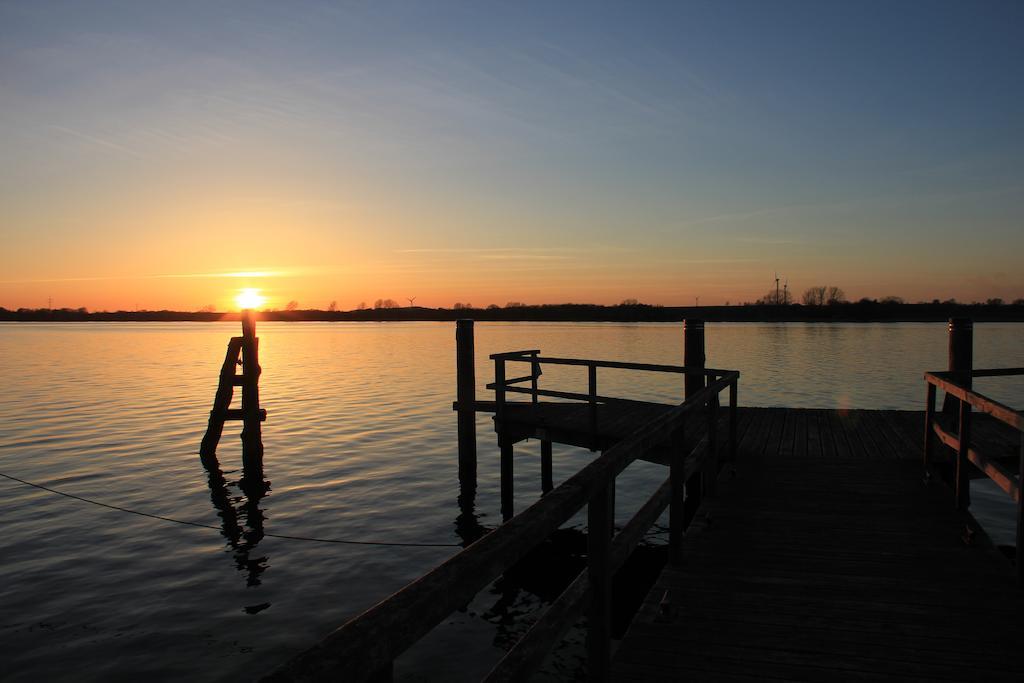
point(693, 354)
point(961, 362)
point(961, 359)
point(252, 436)
point(466, 396)
point(693, 357)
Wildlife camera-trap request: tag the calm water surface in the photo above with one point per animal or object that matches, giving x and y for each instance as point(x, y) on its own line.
point(360, 444)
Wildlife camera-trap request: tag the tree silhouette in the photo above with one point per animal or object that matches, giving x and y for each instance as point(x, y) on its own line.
point(835, 296)
point(292, 305)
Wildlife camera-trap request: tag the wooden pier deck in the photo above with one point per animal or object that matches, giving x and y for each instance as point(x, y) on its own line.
point(828, 558)
point(811, 545)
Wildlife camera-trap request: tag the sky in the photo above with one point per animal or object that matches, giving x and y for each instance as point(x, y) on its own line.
point(166, 155)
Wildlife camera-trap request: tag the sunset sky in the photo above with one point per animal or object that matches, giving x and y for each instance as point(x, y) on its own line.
point(167, 155)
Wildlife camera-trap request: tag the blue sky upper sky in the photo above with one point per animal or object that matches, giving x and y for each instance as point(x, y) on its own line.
point(488, 152)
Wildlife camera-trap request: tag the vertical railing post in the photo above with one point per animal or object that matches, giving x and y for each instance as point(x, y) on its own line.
point(465, 387)
point(961, 352)
point(534, 376)
point(733, 403)
point(504, 442)
point(599, 627)
point(592, 394)
point(929, 433)
point(711, 463)
point(963, 482)
point(1020, 515)
point(676, 519)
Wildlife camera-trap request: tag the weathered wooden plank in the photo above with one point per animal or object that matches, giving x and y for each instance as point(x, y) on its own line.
point(800, 433)
point(774, 438)
point(832, 568)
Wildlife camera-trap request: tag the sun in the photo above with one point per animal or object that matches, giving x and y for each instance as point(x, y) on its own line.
point(250, 298)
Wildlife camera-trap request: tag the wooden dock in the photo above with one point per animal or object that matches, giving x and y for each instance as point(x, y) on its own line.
point(827, 558)
point(803, 544)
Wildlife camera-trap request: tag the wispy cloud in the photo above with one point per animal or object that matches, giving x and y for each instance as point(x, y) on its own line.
point(159, 276)
point(98, 141)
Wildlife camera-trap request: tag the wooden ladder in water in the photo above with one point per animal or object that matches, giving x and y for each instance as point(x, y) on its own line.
point(243, 351)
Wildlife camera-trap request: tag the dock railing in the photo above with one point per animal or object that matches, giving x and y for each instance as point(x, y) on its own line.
point(959, 440)
point(503, 385)
point(365, 647)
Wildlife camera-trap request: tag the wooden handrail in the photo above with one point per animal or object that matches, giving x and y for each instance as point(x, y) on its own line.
point(1002, 477)
point(366, 645)
point(572, 395)
point(961, 440)
point(647, 367)
point(514, 355)
point(528, 653)
point(997, 372)
point(1001, 412)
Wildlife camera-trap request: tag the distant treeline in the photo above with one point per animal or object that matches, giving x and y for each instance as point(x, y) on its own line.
point(865, 310)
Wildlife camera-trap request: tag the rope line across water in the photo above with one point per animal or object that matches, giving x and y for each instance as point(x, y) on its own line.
point(200, 525)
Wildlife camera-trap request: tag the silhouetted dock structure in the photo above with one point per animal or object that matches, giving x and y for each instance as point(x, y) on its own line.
point(803, 544)
point(242, 351)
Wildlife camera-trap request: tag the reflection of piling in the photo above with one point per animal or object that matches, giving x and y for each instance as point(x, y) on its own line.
point(234, 520)
point(246, 346)
point(466, 397)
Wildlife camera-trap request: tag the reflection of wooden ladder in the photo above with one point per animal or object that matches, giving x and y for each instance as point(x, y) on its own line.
point(246, 346)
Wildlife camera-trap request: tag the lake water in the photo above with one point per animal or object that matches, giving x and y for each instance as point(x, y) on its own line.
point(359, 445)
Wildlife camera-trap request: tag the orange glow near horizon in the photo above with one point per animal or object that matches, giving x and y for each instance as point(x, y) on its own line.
point(250, 297)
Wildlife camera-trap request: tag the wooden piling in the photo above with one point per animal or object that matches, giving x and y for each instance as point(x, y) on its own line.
point(252, 436)
point(693, 357)
point(242, 350)
point(693, 354)
point(466, 397)
point(961, 359)
point(961, 362)
point(221, 400)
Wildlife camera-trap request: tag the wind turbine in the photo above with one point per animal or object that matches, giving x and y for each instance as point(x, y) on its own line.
point(410, 300)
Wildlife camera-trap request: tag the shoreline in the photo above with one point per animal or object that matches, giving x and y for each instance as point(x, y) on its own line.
point(869, 312)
